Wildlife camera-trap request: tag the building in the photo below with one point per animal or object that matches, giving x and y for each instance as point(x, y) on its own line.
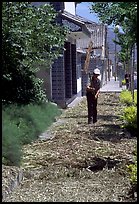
point(99, 57)
point(66, 79)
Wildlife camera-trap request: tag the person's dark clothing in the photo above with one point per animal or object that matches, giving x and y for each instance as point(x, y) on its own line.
point(127, 79)
point(92, 101)
point(95, 84)
point(92, 107)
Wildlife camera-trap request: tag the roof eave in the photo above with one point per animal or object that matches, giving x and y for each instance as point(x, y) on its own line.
point(83, 27)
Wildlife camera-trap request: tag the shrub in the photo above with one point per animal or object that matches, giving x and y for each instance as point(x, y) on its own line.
point(43, 115)
point(23, 124)
point(126, 97)
point(129, 117)
point(11, 145)
point(132, 169)
point(123, 82)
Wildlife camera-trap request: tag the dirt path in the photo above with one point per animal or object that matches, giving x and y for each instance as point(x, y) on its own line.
point(81, 162)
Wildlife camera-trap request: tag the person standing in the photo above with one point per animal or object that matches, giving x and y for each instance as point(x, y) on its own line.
point(92, 93)
point(127, 80)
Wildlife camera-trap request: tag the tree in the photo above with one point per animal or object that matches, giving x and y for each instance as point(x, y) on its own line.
point(123, 14)
point(30, 36)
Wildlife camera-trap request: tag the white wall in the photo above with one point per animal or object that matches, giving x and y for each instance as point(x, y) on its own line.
point(70, 7)
point(79, 85)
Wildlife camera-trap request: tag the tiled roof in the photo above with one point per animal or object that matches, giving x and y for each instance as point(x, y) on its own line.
point(78, 18)
point(85, 20)
point(76, 23)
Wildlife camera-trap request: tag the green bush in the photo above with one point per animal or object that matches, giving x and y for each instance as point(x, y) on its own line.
point(11, 144)
point(44, 115)
point(23, 121)
point(129, 116)
point(126, 97)
point(123, 82)
point(132, 169)
point(23, 124)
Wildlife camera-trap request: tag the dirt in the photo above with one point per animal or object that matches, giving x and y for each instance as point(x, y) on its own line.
point(79, 162)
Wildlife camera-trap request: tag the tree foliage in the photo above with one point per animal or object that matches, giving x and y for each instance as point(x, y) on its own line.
point(30, 36)
point(123, 14)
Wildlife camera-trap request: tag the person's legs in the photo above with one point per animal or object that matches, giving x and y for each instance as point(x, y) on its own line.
point(90, 106)
point(94, 110)
point(127, 86)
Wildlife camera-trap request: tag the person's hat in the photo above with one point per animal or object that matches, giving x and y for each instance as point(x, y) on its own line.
point(96, 71)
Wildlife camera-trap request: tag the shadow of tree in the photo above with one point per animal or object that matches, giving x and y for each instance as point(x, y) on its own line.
point(108, 104)
point(107, 117)
point(109, 132)
point(76, 116)
point(102, 117)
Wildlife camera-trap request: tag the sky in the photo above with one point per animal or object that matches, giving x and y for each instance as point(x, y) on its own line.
point(83, 10)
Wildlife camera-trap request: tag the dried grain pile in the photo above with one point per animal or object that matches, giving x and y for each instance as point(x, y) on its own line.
point(80, 162)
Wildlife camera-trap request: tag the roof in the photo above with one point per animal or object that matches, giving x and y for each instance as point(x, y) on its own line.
point(74, 23)
point(85, 20)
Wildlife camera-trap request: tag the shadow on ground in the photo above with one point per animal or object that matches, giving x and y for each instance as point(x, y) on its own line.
point(113, 133)
point(107, 117)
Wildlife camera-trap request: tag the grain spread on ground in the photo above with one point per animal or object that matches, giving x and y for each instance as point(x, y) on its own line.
point(79, 162)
